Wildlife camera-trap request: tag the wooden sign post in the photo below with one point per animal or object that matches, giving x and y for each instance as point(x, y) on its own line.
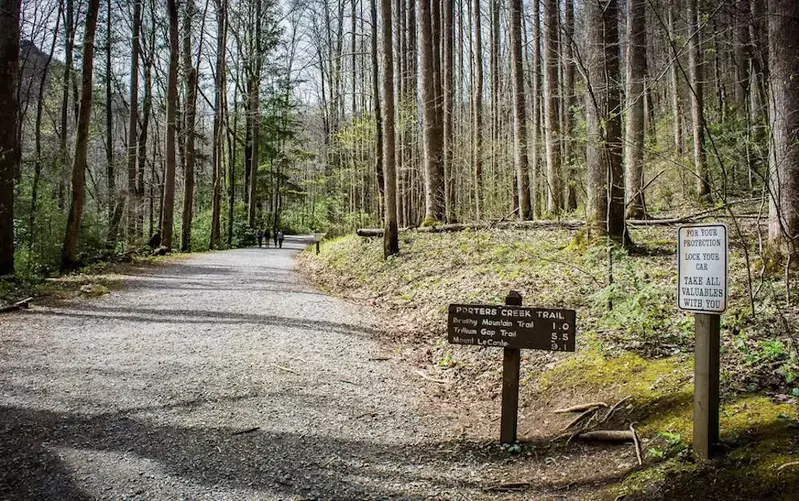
point(513, 328)
point(702, 290)
point(511, 361)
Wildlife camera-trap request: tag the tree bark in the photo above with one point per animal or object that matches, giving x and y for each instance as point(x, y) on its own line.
point(784, 118)
point(477, 98)
point(696, 77)
point(605, 209)
point(133, 123)
point(69, 47)
point(636, 81)
point(519, 111)
point(69, 252)
point(391, 238)
point(434, 182)
point(568, 103)
point(674, 87)
point(9, 136)
point(190, 113)
point(168, 199)
point(376, 104)
point(219, 114)
point(551, 108)
point(447, 76)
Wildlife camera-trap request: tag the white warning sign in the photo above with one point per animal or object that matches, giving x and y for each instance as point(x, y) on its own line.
point(702, 267)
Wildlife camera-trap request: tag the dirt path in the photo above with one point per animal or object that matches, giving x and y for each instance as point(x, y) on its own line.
point(222, 377)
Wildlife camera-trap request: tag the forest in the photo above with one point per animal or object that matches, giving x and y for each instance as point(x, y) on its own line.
point(190, 125)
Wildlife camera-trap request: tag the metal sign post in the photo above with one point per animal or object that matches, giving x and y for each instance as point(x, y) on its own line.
point(702, 268)
point(513, 328)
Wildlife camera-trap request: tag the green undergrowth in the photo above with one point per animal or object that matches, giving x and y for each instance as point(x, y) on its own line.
point(633, 342)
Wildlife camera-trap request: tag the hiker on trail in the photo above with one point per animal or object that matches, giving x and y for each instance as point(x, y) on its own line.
point(280, 238)
point(260, 237)
point(266, 237)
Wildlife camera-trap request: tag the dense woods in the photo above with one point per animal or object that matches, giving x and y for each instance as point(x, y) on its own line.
point(192, 124)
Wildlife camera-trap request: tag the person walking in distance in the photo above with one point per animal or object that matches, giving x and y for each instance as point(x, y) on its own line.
point(260, 237)
point(280, 239)
point(266, 237)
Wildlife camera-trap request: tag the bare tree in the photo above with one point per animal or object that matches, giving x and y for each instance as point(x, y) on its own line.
point(390, 237)
point(69, 252)
point(168, 207)
point(434, 182)
point(636, 80)
point(133, 121)
point(190, 112)
point(568, 103)
point(551, 108)
point(605, 206)
point(219, 116)
point(696, 78)
point(519, 111)
point(477, 98)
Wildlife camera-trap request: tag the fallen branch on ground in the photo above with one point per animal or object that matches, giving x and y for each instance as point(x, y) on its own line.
point(580, 407)
point(637, 444)
point(581, 417)
point(25, 303)
point(607, 435)
point(792, 463)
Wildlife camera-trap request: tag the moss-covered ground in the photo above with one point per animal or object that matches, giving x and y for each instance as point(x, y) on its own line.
point(633, 343)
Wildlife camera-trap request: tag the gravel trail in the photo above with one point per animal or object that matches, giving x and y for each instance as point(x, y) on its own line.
point(225, 376)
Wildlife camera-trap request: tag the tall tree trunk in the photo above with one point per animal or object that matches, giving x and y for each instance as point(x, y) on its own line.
point(190, 111)
point(605, 208)
point(674, 87)
point(255, 115)
point(219, 114)
point(376, 103)
point(447, 75)
point(390, 235)
point(551, 108)
point(477, 98)
point(168, 200)
point(69, 252)
point(40, 104)
point(519, 111)
point(784, 117)
point(69, 29)
point(696, 72)
point(133, 123)
point(568, 103)
point(434, 182)
point(9, 137)
point(116, 203)
point(636, 81)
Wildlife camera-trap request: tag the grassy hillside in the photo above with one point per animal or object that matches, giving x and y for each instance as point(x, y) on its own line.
point(633, 346)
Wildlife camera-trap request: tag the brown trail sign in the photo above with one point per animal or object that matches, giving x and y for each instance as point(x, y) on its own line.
point(513, 328)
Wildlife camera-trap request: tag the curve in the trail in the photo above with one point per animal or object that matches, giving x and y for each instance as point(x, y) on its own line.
point(222, 376)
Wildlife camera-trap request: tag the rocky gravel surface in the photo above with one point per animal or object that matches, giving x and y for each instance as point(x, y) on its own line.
point(224, 376)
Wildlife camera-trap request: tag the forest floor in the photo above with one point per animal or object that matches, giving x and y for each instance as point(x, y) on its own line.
point(228, 376)
point(637, 355)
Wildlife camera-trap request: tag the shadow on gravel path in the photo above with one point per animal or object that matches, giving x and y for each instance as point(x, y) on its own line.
point(279, 463)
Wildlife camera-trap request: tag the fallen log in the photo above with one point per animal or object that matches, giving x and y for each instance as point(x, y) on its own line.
point(369, 232)
point(579, 408)
point(25, 303)
point(607, 436)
